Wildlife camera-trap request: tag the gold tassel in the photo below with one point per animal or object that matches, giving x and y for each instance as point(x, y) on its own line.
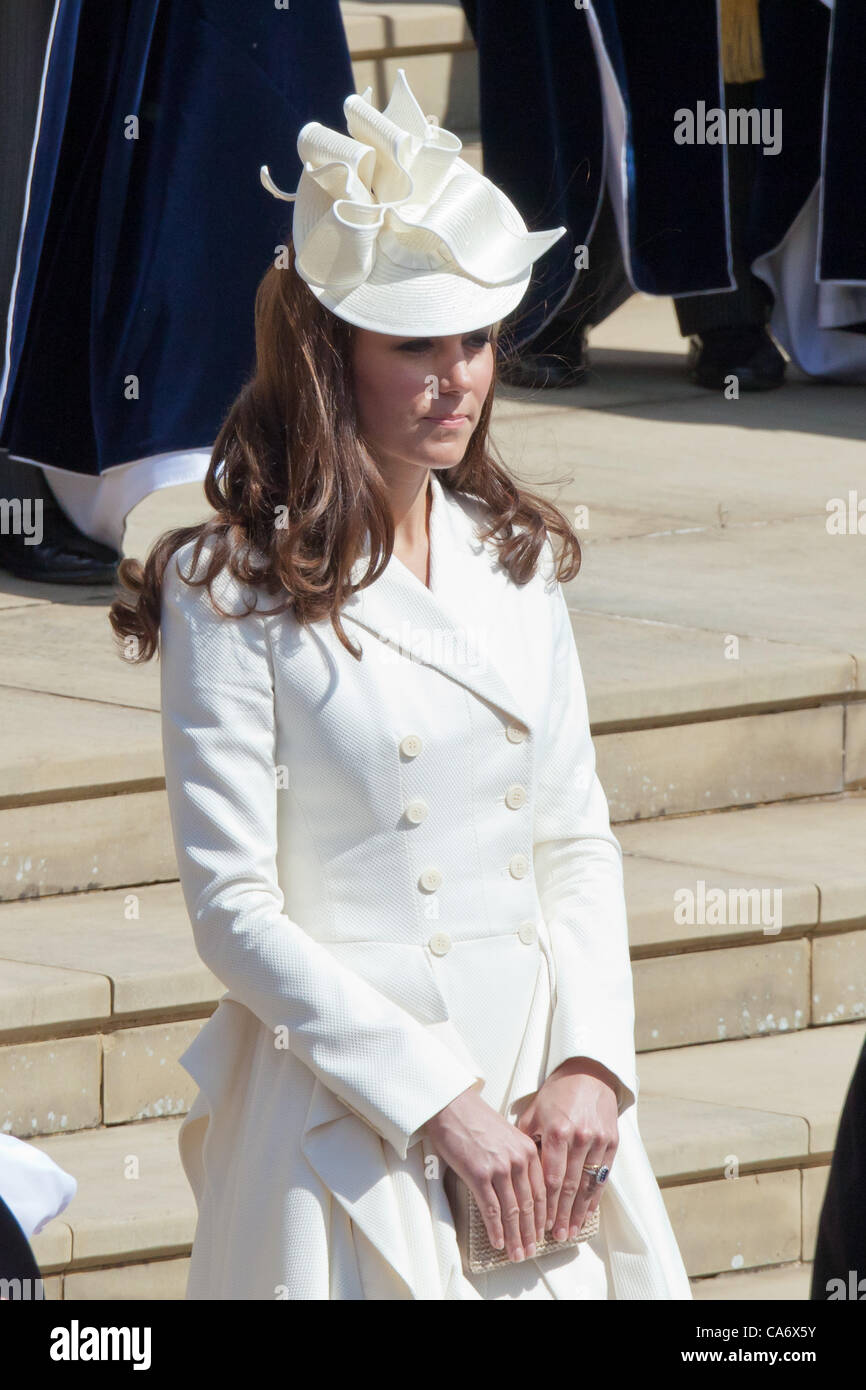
point(741, 41)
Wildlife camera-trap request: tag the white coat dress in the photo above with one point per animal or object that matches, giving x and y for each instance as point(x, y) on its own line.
point(402, 870)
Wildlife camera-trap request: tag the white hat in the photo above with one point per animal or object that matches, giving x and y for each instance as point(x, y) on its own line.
point(395, 233)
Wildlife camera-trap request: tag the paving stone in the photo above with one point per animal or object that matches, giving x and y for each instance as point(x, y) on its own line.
point(20, 593)
point(721, 762)
point(97, 842)
point(701, 466)
point(777, 579)
point(855, 745)
point(139, 939)
point(694, 1138)
point(142, 1077)
point(50, 744)
point(817, 840)
point(133, 1200)
point(839, 977)
point(154, 1279)
point(39, 997)
point(780, 1282)
point(652, 672)
point(803, 1073)
point(70, 650)
point(737, 1223)
point(735, 992)
point(674, 905)
point(49, 1086)
point(432, 42)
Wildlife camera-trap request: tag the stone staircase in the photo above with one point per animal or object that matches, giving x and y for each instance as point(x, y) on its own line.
point(721, 638)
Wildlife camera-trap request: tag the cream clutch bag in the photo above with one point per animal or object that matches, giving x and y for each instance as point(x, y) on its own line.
point(477, 1253)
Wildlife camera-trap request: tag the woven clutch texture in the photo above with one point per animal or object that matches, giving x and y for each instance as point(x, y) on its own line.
point(477, 1253)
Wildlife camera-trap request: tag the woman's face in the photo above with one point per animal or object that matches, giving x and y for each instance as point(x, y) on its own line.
point(419, 399)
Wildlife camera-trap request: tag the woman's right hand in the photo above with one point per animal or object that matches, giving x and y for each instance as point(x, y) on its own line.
point(501, 1166)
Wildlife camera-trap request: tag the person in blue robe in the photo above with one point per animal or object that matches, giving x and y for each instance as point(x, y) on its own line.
point(580, 114)
point(141, 235)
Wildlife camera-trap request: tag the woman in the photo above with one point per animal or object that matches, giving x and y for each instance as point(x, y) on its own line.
point(395, 852)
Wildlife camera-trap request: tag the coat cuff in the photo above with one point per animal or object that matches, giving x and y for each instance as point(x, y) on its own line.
point(454, 1082)
point(563, 1047)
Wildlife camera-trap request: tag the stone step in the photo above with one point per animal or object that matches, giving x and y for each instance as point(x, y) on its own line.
point(712, 962)
point(740, 1150)
point(743, 924)
point(775, 1282)
point(166, 1280)
point(83, 802)
point(433, 43)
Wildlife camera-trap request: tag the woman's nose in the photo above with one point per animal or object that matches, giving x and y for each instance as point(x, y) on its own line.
point(456, 376)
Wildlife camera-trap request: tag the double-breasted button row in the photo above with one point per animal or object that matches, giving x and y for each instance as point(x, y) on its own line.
point(418, 809)
point(518, 866)
point(440, 942)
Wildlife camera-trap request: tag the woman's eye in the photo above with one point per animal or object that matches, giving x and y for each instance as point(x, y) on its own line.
point(419, 345)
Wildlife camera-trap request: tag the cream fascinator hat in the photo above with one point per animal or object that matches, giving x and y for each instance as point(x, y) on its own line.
point(394, 232)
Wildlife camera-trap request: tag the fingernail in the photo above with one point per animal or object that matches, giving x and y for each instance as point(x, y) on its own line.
point(561, 1233)
point(530, 1249)
point(517, 1253)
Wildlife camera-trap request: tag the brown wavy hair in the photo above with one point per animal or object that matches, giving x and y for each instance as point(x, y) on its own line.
point(298, 487)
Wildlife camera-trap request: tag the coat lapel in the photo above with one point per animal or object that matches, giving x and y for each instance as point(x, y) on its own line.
point(452, 625)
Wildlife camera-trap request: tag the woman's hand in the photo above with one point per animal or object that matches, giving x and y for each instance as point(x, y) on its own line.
point(575, 1113)
point(501, 1166)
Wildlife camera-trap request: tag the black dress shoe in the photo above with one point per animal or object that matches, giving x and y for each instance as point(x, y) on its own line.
point(747, 353)
point(547, 362)
point(64, 555)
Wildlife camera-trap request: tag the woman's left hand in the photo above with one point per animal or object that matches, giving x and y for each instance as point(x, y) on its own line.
point(575, 1113)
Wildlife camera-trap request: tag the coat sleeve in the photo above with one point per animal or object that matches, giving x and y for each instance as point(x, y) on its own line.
point(578, 869)
point(218, 737)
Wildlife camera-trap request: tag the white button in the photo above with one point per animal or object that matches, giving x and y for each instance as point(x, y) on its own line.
point(515, 796)
point(527, 933)
point(430, 879)
point(417, 810)
point(440, 943)
point(519, 866)
point(515, 734)
point(411, 745)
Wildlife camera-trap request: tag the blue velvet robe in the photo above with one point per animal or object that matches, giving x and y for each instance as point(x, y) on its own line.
point(544, 138)
point(140, 257)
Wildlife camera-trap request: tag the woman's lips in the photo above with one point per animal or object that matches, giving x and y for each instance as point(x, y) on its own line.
point(449, 421)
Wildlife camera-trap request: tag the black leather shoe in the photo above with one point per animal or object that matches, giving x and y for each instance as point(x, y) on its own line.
point(547, 365)
point(64, 555)
point(747, 353)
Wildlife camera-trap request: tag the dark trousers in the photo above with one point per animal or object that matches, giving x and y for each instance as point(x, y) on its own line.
point(751, 302)
point(597, 292)
point(840, 1248)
